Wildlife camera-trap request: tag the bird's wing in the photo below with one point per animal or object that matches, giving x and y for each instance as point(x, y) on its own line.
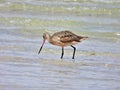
point(69, 37)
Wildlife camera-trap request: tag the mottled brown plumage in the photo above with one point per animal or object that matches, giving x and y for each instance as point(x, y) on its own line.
point(63, 38)
point(67, 36)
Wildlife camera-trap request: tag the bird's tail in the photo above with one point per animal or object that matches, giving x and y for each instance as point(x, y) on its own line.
point(83, 38)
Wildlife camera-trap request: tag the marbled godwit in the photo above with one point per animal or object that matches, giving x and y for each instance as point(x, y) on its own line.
point(62, 39)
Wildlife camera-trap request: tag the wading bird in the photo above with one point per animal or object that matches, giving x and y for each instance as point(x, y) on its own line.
point(62, 39)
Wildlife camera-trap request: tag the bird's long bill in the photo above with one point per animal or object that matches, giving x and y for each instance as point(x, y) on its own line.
point(41, 46)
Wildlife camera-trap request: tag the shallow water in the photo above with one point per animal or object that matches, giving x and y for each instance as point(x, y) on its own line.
point(97, 60)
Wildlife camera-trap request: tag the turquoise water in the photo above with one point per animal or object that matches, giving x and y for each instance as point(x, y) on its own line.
point(97, 60)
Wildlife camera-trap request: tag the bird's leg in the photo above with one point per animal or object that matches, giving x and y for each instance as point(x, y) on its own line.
point(73, 52)
point(62, 52)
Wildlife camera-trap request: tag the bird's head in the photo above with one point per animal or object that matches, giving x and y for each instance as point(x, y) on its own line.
point(45, 36)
